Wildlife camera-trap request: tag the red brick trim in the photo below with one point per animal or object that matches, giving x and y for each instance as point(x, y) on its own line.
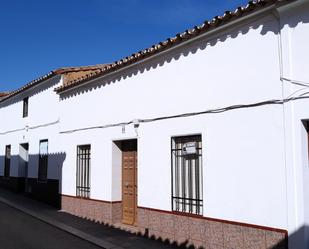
point(279, 230)
point(77, 197)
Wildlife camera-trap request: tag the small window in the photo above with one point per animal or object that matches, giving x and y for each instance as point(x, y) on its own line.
point(7, 162)
point(43, 161)
point(25, 107)
point(83, 171)
point(187, 191)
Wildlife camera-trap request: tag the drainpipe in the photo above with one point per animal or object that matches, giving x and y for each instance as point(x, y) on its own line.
point(292, 201)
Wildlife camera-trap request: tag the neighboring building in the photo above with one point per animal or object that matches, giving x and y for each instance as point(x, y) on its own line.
point(31, 155)
point(199, 139)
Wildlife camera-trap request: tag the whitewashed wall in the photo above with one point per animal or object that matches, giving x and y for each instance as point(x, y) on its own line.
point(295, 39)
point(243, 150)
point(255, 160)
point(43, 110)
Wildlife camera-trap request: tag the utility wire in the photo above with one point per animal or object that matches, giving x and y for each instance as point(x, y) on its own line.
point(295, 82)
point(11, 131)
point(183, 115)
point(190, 114)
point(31, 127)
point(98, 127)
point(44, 125)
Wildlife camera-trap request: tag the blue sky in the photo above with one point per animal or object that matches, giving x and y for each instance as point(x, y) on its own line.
point(37, 36)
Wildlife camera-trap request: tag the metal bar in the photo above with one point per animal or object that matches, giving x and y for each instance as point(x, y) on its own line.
point(172, 172)
point(84, 172)
point(77, 171)
point(88, 172)
point(80, 170)
point(197, 181)
point(190, 184)
point(183, 181)
point(177, 177)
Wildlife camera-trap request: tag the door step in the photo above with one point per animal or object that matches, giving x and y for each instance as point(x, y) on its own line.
point(129, 228)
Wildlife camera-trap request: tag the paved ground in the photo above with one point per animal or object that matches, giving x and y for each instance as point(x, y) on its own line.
point(27, 224)
point(21, 231)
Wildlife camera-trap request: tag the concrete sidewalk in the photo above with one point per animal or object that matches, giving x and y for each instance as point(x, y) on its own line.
point(98, 234)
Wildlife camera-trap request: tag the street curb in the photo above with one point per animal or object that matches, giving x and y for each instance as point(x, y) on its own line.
point(98, 242)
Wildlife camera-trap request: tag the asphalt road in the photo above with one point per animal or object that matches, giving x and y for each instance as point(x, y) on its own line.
point(21, 231)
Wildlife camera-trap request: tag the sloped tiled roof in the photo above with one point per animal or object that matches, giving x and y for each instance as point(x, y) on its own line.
point(3, 94)
point(205, 27)
point(77, 73)
point(70, 73)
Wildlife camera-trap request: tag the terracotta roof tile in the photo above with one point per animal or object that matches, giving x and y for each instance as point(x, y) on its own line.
point(78, 73)
point(70, 73)
point(173, 41)
point(2, 94)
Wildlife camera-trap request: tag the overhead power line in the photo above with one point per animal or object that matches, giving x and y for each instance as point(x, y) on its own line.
point(190, 114)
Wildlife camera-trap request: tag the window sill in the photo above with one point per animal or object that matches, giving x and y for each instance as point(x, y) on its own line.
point(81, 197)
point(187, 214)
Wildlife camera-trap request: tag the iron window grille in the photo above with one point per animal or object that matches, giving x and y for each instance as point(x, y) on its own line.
point(83, 171)
point(7, 161)
point(25, 107)
point(43, 161)
point(187, 177)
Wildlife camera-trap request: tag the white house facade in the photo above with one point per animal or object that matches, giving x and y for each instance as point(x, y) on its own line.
point(32, 156)
point(201, 139)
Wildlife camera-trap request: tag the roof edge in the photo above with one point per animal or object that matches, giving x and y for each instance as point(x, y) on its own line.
point(58, 71)
point(180, 38)
point(29, 85)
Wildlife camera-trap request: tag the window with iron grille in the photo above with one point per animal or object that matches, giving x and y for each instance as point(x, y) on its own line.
point(7, 161)
point(25, 107)
point(187, 174)
point(83, 171)
point(43, 161)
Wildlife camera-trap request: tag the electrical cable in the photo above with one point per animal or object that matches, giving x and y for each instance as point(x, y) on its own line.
point(295, 82)
point(190, 114)
point(11, 131)
point(210, 111)
point(31, 127)
point(44, 125)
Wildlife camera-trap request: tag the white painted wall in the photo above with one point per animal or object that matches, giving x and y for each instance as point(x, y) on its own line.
point(255, 162)
point(295, 39)
point(243, 150)
point(43, 110)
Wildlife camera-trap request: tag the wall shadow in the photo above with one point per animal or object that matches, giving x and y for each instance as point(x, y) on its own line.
point(26, 181)
point(299, 239)
point(296, 240)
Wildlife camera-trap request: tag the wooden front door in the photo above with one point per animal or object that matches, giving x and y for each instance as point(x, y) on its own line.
point(129, 181)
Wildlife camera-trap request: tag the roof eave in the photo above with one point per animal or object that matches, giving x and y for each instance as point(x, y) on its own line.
point(215, 25)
